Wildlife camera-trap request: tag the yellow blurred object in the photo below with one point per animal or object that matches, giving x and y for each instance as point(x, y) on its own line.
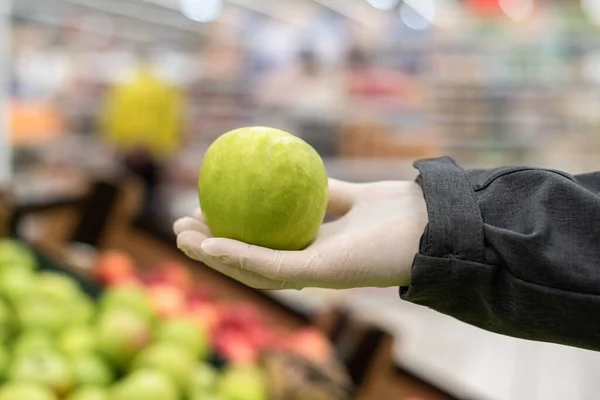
point(144, 114)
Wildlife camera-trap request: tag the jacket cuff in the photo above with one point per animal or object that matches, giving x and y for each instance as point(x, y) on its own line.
point(455, 228)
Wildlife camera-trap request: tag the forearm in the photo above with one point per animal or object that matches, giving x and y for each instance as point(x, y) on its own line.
point(512, 250)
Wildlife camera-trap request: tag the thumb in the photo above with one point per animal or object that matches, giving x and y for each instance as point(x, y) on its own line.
point(273, 264)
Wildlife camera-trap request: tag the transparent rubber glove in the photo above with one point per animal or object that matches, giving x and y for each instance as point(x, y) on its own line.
point(372, 243)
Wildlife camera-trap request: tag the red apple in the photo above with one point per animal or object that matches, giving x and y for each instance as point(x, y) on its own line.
point(207, 316)
point(198, 296)
point(175, 274)
point(236, 348)
point(312, 344)
point(114, 267)
point(167, 300)
point(259, 335)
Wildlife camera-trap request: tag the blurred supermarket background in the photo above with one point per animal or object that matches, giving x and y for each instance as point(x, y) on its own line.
point(371, 84)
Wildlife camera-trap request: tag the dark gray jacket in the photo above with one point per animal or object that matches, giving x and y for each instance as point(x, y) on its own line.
point(512, 250)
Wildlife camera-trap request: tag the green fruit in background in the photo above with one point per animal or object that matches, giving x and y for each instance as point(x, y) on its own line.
point(56, 287)
point(7, 322)
point(16, 284)
point(77, 339)
point(121, 334)
point(185, 333)
point(203, 380)
point(146, 385)
point(48, 368)
point(91, 370)
point(173, 360)
point(5, 360)
point(131, 297)
point(26, 391)
point(32, 342)
point(81, 310)
point(265, 187)
point(243, 383)
point(206, 396)
point(39, 314)
point(14, 253)
point(90, 393)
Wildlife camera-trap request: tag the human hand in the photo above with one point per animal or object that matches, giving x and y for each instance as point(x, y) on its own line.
point(371, 244)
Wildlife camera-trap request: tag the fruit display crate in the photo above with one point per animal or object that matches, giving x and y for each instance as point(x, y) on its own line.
point(287, 364)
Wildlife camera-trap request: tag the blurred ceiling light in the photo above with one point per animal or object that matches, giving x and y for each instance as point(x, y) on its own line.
point(201, 10)
point(591, 9)
point(384, 5)
point(517, 10)
point(418, 14)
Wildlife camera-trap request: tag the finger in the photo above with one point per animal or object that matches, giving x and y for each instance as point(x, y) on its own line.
point(198, 214)
point(341, 197)
point(190, 243)
point(289, 266)
point(190, 224)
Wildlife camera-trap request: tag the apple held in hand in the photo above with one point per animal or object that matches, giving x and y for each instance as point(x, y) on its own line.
point(265, 187)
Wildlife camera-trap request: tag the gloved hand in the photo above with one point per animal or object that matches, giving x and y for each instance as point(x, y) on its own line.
point(371, 244)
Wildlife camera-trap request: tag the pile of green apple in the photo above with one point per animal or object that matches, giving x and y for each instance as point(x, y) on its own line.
point(58, 343)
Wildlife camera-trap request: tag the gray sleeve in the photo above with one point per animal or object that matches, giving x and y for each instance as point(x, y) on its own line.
point(515, 251)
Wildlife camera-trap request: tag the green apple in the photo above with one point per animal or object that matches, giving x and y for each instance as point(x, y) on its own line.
point(207, 396)
point(244, 382)
point(26, 391)
point(14, 253)
point(121, 334)
point(32, 342)
point(185, 333)
point(7, 322)
point(172, 359)
point(46, 367)
point(263, 186)
point(39, 314)
point(203, 380)
point(77, 339)
point(56, 286)
point(90, 393)
point(16, 284)
point(131, 297)
point(4, 361)
point(91, 370)
point(146, 385)
point(81, 311)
